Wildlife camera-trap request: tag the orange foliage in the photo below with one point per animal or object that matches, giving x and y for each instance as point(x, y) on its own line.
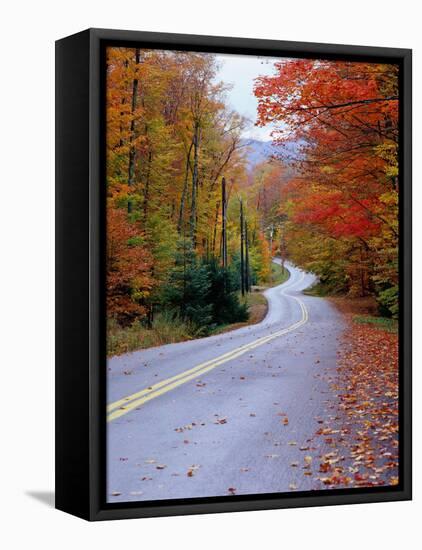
point(128, 268)
point(343, 116)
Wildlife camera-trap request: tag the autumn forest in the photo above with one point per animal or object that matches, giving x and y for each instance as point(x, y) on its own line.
point(193, 223)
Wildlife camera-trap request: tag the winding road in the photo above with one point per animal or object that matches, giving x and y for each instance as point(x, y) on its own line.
point(227, 414)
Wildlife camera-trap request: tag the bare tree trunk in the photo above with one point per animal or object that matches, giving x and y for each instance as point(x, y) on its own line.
point(193, 212)
point(184, 192)
point(121, 142)
point(247, 278)
point(132, 151)
point(214, 237)
point(122, 103)
point(224, 222)
point(146, 190)
point(242, 245)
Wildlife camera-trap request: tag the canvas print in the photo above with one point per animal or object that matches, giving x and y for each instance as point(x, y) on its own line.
point(252, 275)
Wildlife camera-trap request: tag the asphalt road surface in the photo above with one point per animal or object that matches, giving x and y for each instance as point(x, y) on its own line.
point(227, 414)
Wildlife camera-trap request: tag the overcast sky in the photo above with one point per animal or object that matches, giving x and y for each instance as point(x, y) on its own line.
point(240, 71)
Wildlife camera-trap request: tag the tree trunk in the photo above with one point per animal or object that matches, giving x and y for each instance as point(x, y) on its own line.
point(146, 190)
point(131, 174)
point(184, 192)
point(247, 278)
point(193, 211)
point(122, 103)
point(242, 244)
point(214, 237)
point(224, 222)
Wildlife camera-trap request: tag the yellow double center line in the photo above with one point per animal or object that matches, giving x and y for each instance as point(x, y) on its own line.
point(134, 401)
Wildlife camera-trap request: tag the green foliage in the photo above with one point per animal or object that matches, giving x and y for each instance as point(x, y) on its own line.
point(388, 300)
point(278, 275)
point(162, 243)
point(186, 292)
point(202, 293)
point(222, 295)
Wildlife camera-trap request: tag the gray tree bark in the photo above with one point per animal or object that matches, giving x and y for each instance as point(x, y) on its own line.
point(132, 152)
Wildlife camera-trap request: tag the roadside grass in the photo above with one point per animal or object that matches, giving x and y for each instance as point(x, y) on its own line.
point(164, 330)
point(256, 301)
point(364, 311)
point(384, 323)
point(257, 307)
point(278, 275)
point(320, 290)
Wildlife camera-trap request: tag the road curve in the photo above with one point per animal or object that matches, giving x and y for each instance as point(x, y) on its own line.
point(207, 417)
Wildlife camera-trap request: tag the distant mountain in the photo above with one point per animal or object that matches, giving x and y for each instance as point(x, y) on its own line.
point(257, 151)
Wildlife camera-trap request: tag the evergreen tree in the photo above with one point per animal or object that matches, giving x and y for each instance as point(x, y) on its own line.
point(187, 289)
point(222, 295)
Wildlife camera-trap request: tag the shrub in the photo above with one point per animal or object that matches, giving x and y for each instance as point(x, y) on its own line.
point(388, 300)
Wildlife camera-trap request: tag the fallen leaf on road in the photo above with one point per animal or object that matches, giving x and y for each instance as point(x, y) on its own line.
point(232, 490)
point(187, 427)
point(115, 493)
point(161, 466)
point(192, 470)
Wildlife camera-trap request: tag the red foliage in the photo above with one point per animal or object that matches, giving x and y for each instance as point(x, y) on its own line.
point(128, 268)
point(343, 116)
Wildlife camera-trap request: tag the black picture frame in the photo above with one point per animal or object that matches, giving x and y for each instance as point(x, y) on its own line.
point(80, 240)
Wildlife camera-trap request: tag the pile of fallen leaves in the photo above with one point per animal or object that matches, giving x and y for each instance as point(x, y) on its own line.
point(359, 437)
